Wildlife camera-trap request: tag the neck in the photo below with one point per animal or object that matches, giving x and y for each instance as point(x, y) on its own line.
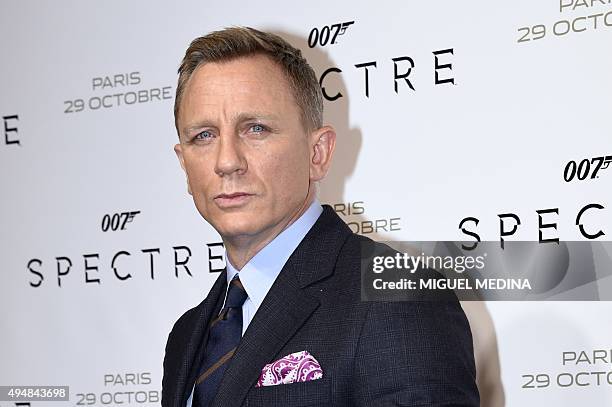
point(241, 249)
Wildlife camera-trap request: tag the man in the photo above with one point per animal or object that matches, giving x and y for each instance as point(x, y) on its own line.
point(291, 329)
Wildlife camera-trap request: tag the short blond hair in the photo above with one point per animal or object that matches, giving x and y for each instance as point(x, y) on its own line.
point(236, 42)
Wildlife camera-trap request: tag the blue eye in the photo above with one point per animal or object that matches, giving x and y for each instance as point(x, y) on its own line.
point(258, 128)
point(203, 135)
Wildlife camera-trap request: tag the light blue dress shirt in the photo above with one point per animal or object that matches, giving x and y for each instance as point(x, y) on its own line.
point(258, 275)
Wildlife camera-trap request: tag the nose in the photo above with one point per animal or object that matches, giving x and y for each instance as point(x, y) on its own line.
point(230, 156)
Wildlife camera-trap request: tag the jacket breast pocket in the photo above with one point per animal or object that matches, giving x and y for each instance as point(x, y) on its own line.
point(301, 394)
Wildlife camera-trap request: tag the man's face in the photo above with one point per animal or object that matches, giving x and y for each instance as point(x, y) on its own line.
point(243, 147)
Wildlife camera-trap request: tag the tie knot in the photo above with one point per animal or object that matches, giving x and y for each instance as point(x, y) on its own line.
point(236, 294)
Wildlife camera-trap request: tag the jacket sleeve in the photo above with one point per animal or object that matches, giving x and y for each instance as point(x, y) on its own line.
point(415, 353)
point(174, 374)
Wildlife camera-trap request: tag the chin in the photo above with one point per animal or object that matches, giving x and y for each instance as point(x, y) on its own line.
point(234, 225)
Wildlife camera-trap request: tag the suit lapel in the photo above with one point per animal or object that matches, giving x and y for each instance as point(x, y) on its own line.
point(196, 343)
point(285, 308)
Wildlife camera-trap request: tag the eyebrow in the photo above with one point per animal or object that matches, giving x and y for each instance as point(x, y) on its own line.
point(239, 118)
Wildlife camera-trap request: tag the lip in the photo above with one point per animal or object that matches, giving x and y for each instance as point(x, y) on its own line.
point(233, 200)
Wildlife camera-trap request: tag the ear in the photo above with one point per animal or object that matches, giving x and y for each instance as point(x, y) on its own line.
point(178, 149)
point(323, 142)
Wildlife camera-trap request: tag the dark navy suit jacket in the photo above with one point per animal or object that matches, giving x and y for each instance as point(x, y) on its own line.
point(407, 353)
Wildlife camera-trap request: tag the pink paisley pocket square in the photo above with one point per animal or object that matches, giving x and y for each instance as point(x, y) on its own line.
point(293, 368)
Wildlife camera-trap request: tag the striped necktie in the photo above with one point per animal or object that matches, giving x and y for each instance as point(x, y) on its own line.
point(225, 333)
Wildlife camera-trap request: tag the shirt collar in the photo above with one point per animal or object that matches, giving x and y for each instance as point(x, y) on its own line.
point(258, 275)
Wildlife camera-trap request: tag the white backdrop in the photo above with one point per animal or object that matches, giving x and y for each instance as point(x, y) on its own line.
point(87, 95)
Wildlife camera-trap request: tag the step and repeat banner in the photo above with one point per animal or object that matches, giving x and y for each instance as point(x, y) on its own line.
point(456, 121)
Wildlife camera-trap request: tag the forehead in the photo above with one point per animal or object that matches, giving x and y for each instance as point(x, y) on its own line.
point(247, 84)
